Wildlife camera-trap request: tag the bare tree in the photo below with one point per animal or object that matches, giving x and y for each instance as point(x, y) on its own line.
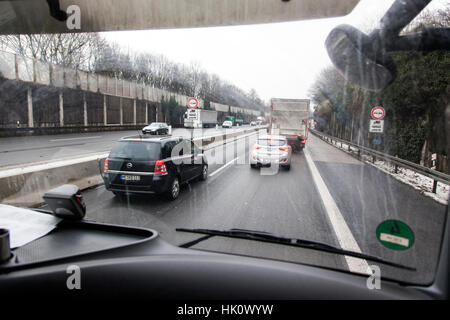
point(77, 50)
point(429, 19)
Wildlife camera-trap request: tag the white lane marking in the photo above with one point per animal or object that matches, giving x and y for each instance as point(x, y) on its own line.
point(223, 167)
point(340, 227)
point(80, 138)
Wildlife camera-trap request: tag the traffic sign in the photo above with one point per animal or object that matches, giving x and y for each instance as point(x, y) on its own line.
point(395, 235)
point(376, 126)
point(378, 113)
point(192, 103)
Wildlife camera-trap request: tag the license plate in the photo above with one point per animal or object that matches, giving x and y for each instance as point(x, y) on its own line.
point(130, 178)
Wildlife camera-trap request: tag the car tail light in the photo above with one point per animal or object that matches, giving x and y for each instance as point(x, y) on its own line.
point(285, 149)
point(160, 167)
point(106, 167)
point(256, 147)
point(79, 198)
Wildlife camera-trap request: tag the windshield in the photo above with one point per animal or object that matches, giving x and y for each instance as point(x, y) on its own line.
point(366, 170)
point(136, 150)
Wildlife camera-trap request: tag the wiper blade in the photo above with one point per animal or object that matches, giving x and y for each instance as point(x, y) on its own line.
point(271, 238)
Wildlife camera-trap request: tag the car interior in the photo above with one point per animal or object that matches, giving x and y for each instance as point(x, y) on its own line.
point(120, 261)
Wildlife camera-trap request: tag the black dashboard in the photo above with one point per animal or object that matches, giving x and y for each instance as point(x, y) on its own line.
point(116, 261)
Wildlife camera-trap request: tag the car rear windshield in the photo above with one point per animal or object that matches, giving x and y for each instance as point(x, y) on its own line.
point(271, 142)
point(136, 150)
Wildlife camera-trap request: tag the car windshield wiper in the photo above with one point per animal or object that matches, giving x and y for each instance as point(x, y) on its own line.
point(271, 238)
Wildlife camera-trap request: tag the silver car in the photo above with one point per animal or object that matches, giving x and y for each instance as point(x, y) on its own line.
point(270, 150)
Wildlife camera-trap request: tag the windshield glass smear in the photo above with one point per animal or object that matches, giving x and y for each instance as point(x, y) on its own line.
point(361, 167)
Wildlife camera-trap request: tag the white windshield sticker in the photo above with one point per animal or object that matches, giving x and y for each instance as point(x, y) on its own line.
point(25, 225)
point(394, 239)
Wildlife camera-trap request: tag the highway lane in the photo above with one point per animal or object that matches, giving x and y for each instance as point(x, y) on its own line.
point(288, 203)
point(16, 151)
point(235, 197)
point(367, 196)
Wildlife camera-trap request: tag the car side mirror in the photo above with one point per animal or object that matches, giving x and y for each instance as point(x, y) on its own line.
point(358, 59)
point(66, 202)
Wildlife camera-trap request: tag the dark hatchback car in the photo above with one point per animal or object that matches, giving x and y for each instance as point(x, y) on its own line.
point(159, 128)
point(153, 165)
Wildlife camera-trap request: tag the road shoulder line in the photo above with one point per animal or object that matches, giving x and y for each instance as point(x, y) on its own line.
point(342, 231)
point(223, 167)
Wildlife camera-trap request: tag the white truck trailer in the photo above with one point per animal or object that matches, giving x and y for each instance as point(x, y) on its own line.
point(200, 118)
point(289, 118)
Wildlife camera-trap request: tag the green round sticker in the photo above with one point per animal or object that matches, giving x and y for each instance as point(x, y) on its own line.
point(395, 235)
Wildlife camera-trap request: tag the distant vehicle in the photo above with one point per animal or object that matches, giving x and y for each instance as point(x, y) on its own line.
point(289, 118)
point(261, 120)
point(232, 119)
point(199, 118)
point(158, 128)
point(235, 121)
point(271, 149)
point(253, 123)
point(156, 165)
point(227, 124)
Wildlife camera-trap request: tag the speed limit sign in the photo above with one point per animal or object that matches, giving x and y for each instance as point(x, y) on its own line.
point(192, 103)
point(378, 113)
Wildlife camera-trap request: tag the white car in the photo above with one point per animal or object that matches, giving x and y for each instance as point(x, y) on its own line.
point(269, 150)
point(227, 124)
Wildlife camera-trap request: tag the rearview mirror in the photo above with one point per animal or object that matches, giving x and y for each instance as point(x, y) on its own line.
point(357, 58)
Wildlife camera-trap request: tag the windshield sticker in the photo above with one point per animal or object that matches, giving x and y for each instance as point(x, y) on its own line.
point(395, 235)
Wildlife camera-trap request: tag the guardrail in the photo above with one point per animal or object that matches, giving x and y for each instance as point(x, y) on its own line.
point(397, 162)
point(206, 142)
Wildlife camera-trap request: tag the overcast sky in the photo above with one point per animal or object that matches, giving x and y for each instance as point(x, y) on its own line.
point(278, 60)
